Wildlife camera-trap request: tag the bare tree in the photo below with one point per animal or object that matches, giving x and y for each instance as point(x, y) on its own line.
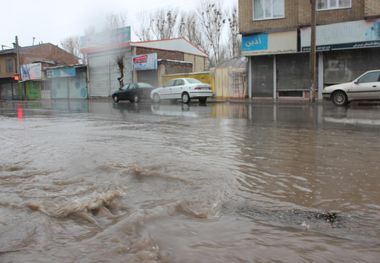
point(212, 21)
point(189, 28)
point(143, 31)
point(160, 24)
point(114, 21)
point(164, 23)
point(71, 45)
point(234, 37)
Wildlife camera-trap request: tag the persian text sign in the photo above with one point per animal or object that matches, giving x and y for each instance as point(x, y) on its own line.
point(355, 34)
point(31, 71)
point(61, 73)
point(255, 42)
point(145, 62)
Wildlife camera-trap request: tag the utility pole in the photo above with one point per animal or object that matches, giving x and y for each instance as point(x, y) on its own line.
point(17, 56)
point(313, 52)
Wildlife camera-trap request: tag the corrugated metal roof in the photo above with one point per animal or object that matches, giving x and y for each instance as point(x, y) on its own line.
point(177, 44)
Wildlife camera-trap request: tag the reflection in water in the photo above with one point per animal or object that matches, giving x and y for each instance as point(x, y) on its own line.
point(88, 181)
point(19, 112)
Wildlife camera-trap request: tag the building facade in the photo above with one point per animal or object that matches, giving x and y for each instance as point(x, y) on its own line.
point(32, 59)
point(108, 63)
point(276, 39)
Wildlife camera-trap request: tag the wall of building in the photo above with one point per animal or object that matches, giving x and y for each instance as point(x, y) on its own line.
point(248, 25)
point(371, 8)
point(330, 16)
point(46, 52)
point(161, 54)
point(104, 72)
point(199, 63)
point(297, 13)
point(3, 66)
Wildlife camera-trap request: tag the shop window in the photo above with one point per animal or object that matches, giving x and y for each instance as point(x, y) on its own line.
point(333, 4)
point(268, 9)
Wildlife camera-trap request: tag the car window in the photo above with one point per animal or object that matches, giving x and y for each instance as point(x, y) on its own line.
point(193, 81)
point(125, 87)
point(132, 86)
point(179, 82)
point(370, 77)
point(170, 83)
point(144, 86)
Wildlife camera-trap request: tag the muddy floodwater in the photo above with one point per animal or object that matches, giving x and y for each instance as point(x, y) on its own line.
point(93, 181)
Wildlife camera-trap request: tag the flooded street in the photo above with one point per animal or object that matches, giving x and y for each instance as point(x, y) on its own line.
point(93, 181)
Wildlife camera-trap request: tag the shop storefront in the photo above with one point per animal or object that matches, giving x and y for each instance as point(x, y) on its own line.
point(279, 62)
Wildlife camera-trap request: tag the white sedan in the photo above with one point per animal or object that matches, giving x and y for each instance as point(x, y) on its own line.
point(182, 88)
point(365, 87)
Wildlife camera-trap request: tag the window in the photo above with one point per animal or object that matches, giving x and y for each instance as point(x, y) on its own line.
point(268, 9)
point(9, 65)
point(179, 82)
point(333, 4)
point(125, 87)
point(370, 77)
point(170, 83)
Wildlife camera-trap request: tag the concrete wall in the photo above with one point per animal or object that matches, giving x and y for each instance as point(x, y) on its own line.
point(199, 63)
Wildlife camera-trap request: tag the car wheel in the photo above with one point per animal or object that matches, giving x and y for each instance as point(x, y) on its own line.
point(156, 98)
point(186, 98)
point(339, 98)
point(203, 100)
point(116, 99)
point(136, 99)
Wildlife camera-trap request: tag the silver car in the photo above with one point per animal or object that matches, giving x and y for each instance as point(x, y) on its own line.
point(185, 89)
point(365, 87)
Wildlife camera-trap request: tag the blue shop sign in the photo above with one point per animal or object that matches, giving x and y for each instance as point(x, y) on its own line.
point(255, 42)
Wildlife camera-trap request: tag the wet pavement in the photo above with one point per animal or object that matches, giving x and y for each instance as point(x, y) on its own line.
point(93, 181)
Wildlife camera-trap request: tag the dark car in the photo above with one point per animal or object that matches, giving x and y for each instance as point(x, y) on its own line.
point(134, 92)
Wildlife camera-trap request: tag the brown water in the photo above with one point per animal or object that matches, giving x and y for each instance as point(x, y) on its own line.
point(97, 182)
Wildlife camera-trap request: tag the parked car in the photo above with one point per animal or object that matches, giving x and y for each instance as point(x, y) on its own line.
point(365, 87)
point(182, 88)
point(134, 92)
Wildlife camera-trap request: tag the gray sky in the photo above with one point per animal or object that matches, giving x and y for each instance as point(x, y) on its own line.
point(52, 21)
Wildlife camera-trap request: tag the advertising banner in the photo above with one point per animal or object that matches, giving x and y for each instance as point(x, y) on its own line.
point(145, 62)
point(269, 43)
point(255, 42)
point(31, 71)
point(61, 73)
point(117, 36)
point(347, 35)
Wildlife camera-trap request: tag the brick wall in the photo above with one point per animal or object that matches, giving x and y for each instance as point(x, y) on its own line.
point(46, 52)
point(297, 13)
point(161, 54)
point(248, 25)
point(371, 8)
point(331, 16)
point(175, 68)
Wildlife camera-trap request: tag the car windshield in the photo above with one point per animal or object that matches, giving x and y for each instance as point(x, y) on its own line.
point(145, 86)
point(193, 81)
point(125, 87)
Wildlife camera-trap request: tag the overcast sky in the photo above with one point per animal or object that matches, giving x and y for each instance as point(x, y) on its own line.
point(52, 21)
